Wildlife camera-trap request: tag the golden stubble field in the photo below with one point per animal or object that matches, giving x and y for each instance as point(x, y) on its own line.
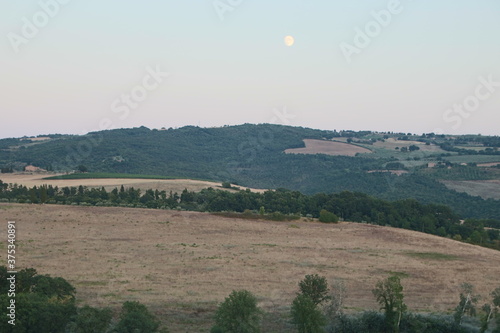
point(328, 147)
point(181, 264)
point(174, 185)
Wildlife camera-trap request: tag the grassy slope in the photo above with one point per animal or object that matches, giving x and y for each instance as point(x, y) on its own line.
point(181, 264)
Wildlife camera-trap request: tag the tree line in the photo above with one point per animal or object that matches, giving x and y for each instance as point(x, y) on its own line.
point(277, 204)
point(320, 309)
point(46, 304)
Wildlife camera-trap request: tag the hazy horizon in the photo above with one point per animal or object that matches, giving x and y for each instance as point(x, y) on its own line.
point(73, 67)
point(176, 127)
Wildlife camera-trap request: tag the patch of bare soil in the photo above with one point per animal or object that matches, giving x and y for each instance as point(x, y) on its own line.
point(488, 165)
point(40, 138)
point(328, 148)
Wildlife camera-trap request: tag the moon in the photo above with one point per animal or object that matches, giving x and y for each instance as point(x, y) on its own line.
point(289, 40)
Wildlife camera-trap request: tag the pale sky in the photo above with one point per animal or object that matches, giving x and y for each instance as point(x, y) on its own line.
point(70, 66)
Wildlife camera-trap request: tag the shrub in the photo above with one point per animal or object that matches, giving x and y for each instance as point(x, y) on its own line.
point(415, 323)
point(327, 217)
point(238, 314)
point(135, 318)
point(91, 320)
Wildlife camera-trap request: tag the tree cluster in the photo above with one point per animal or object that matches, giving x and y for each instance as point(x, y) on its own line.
point(46, 304)
point(319, 309)
point(356, 207)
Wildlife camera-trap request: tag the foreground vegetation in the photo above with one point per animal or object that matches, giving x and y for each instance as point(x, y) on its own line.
point(45, 304)
point(275, 205)
point(48, 305)
point(319, 309)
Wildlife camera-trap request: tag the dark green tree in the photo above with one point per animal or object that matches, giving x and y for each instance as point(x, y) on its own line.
point(43, 194)
point(91, 320)
point(51, 287)
point(42, 304)
point(3, 186)
point(306, 316)
point(315, 287)
point(327, 217)
point(136, 318)
point(238, 314)
point(389, 294)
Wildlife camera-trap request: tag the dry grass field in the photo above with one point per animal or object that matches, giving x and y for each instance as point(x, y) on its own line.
point(40, 138)
point(181, 264)
point(174, 185)
point(483, 188)
point(488, 165)
point(328, 148)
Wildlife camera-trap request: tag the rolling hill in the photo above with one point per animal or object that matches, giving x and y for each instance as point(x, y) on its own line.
point(254, 156)
point(182, 264)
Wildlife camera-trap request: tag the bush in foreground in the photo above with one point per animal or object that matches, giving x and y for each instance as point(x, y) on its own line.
point(238, 314)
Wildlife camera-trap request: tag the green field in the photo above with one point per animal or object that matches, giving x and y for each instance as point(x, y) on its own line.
point(461, 173)
point(473, 158)
point(409, 159)
point(483, 189)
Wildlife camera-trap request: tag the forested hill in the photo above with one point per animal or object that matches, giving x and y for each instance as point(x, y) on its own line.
point(249, 155)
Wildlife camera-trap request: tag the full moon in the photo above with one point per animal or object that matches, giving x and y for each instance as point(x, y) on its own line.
point(289, 40)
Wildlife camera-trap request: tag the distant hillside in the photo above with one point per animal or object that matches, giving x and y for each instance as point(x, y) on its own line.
point(254, 156)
